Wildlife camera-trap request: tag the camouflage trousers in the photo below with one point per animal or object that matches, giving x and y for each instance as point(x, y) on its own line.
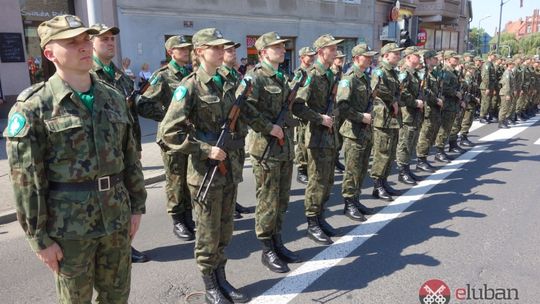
point(214, 226)
point(384, 151)
point(513, 107)
point(485, 103)
point(102, 263)
point(495, 102)
point(521, 103)
point(321, 165)
point(408, 138)
point(176, 188)
point(428, 131)
point(273, 187)
point(468, 117)
point(456, 125)
point(447, 120)
point(357, 154)
point(339, 137)
point(301, 149)
point(506, 107)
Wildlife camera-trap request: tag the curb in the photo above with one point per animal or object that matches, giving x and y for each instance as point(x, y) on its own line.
point(11, 216)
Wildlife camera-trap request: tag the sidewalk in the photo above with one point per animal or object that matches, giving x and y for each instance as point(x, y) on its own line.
point(151, 162)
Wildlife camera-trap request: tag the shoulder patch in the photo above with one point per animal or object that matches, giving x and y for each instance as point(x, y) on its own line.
point(28, 92)
point(16, 123)
point(180, 93)
point(344, 83)
point(308, 81)
point(378, 72)
point(155, 79)
point(402, 76)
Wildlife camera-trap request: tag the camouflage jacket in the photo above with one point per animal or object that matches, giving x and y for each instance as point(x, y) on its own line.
point(389, 90)
point(451, 86)
point(53, 137)
point(352, 101)
point(262, 108)
point(489, 76)
point(193, 123)
point(507, 83)
point(499, 71)
point(231, 82)
point(315, 95)
point(156, 99)
point(409, 112)
point(125, 85)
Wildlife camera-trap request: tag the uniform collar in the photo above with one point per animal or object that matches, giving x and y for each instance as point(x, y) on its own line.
point(203, 75)
point(61, 89)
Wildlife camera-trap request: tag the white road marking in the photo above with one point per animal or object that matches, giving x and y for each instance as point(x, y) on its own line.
point(537, 142)
point(298, 280)
point(475, 125)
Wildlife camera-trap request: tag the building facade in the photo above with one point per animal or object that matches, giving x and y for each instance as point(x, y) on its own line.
point(522, 28)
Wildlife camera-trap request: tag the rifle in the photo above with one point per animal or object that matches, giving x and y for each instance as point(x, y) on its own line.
point(372, 94)
point(397, 99)
point(132, 97)
point(440, 87)
point(283, 120)
point(422, 96)
point(224, 141)
point(331, 100)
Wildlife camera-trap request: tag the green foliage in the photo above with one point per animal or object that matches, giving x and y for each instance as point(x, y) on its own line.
point(527, 45)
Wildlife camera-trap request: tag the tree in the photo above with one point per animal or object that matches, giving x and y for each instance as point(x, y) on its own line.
point(506, 39)
point(530, 43)
point(475, 38)
point(527, 45)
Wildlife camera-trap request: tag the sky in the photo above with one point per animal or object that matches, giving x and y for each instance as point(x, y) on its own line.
point(511, 11)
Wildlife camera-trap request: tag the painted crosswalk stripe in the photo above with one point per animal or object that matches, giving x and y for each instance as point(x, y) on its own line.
point(537, 142)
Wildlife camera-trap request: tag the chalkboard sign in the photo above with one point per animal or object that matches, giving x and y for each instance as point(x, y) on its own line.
point(11, 47)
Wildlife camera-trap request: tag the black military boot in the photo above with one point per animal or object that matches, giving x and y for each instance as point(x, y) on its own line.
point(484, 120)
point(380, 192)
point(389, 188)
point(424, 165)
point(328, 230)
point(442, 156)
point(213, 294)
point(228, 290)
point(241, 209)
point(339, 165)
point(365, 210)
point(503, 125)
point(352, 212)
point(404, 177)
point(522, 116)
point(180, 228)
point(411, 174)
point(284, 253)
point(454, 147)
point(188, 217)
point(302, 177)
point(315, 232)
point(270, 258)
point(465, 141)
point(138, 257)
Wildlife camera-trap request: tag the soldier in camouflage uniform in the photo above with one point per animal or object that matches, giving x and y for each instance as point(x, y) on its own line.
point(272, 175)
point(472, 82)
point(104, 69)
point(518, 81)
point(500, 67)
point(153, 104)
point(452, 103)
point(432, 112)
point(192, 126)
point(507, 95)
point(385, 120)
point(353, 100)
point(231, 79)
point(462, 72)
point(337, 67)
point(411, 106)
point(487, 87)
point(307, 56)
point(321, 137)
point(75, 170)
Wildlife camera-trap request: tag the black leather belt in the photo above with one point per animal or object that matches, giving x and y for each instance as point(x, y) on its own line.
point(101, 184)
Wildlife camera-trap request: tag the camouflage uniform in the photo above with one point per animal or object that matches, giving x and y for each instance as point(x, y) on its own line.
point(153, 104)
point(451, 105)
point(488, 83)
point(57, 151)
point(496, 100)
point(300, 134)
point(458, 120)
point(472, 80)
point(507, 98)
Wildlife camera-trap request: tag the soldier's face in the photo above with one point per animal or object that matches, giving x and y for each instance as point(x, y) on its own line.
point(393, 57)
point(339, 62)
point(363, 61)
point(274, 53)
point(414, 61)
point(307, 60)
point(72, 54)
point(212, 56)
point(105, 46)
point(229, 57)
point(327, 54)
point(180, 55)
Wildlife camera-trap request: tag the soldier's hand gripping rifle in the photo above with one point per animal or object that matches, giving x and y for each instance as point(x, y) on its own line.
point(283, 120)
point(331, 100)
point(132, 97)
point(422, 96)
point(397, 100)
point(224, 142)
point(372, 94)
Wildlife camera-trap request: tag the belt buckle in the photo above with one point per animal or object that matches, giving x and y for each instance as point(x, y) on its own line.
point(104, 180)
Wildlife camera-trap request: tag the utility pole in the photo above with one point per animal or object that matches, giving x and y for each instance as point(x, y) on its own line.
point(94, 12)
point(500, 21)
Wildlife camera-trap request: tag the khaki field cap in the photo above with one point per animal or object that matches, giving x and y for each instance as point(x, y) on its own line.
point(478, 58)
point(62, 27)
point(450, 54)
point(306, 51)
point(363, 49)
point(102, 29)
point(209, 37)
point(429, 53)
point(340, 54)
point(412, 50)
point(176, 42)
point(233, 44)
point(268, 39)
point(390, 47)
point(324, 41)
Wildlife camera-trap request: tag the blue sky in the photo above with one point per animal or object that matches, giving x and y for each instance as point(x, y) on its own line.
point(511, 11)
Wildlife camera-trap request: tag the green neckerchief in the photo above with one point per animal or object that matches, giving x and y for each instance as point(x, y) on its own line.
point(182, 69)
point(218, 80)
point(109, 69)
point(232, 71)
point(329, 73)
point(87, 98)
point(279, 74)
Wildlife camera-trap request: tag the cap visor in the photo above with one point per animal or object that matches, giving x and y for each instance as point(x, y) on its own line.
point(218, 42)
point(74, 32)
point(114, 30)
point(370, 54)
point(278, 42)
point(234, 44)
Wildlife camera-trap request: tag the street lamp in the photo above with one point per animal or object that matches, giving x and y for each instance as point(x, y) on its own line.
point(480, 44)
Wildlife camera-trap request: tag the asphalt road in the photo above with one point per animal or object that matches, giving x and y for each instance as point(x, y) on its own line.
point(474, 222)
